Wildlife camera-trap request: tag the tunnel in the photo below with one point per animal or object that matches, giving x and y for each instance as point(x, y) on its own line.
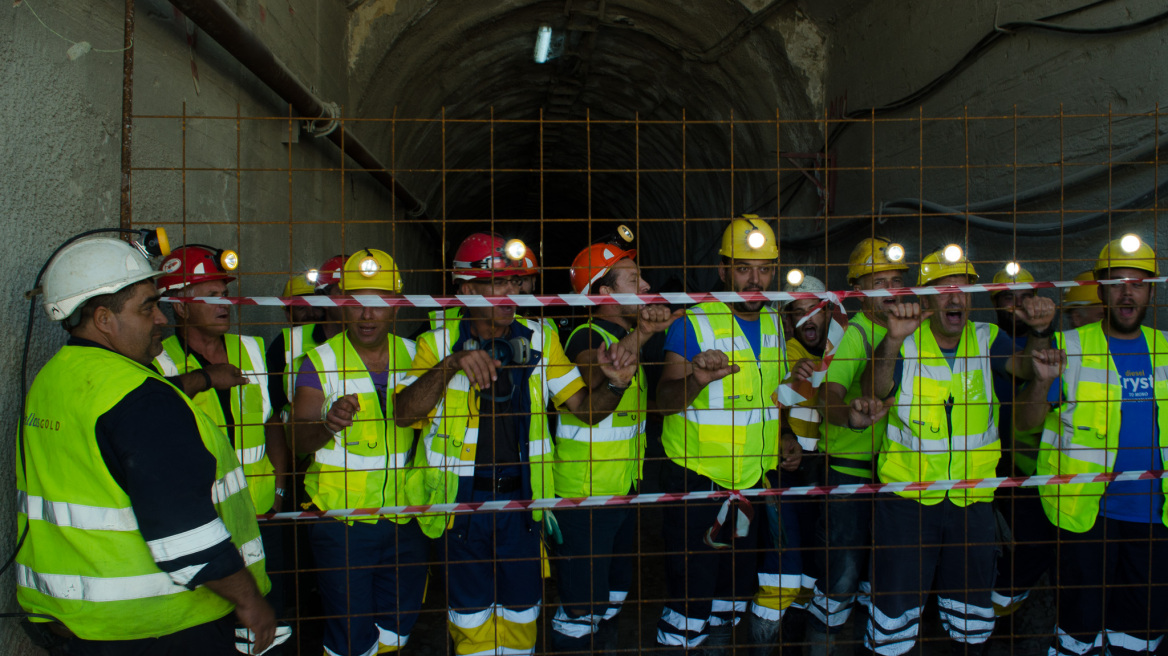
point(289, 131)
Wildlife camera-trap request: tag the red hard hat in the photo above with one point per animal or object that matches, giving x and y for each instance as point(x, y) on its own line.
point(329, 273)
point(593, 262)
point(482, 255)
point(191, 265)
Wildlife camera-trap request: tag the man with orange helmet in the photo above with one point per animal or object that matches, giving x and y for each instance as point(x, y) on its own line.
point(372, 569)
point(607, 458)
point(203, 338)
point(477, 391)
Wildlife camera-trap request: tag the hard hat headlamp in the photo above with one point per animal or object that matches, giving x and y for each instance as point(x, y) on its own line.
point(795, 277)
point(312, 275)
point(1129, 243)
point(625, 233)
point(153, 243)
point(894, 252)
point(1012, 269)
point(515, 249)
point(368, 267)
point(952, 253)
point(229, 260)
point(755, 239)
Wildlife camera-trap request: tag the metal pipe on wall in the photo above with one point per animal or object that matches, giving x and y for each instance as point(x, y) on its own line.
point(221, 24)
point(127, 113)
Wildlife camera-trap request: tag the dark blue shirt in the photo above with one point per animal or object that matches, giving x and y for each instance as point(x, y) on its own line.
point(681, 339)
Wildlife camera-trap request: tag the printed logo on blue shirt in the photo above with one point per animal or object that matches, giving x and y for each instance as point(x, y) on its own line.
point(1137, 385)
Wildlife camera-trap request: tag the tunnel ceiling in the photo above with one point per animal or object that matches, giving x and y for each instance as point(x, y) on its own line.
point(471, 63)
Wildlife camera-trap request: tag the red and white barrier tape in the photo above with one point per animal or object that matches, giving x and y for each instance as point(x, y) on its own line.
point(721, 495)
point(582, 300)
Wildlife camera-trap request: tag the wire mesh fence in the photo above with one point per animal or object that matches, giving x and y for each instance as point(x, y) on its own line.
point(906, 439)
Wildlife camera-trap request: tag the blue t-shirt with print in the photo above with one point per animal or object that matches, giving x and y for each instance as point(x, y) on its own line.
point(1135, 501)
point(681, 339)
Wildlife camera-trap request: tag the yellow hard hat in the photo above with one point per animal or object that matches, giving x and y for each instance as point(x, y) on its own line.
point(749, 238)
point(873, 255)
point(1128, 252)
point(1083, 294)
point(299, 285)
point(944, 262)
point(1012, 272)
point(370, 268)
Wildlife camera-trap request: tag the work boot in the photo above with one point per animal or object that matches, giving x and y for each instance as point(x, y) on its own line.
point(818, 643)
point(764, 635)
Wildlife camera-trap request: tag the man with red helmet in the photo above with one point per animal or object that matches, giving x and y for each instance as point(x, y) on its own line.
point(203, 338)
point(477, 391)
point(593, 580)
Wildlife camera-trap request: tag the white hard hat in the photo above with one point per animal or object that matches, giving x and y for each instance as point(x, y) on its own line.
point(89, 268)
point(809, 284)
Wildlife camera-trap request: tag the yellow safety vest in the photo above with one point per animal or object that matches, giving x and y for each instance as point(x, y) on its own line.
point(364, 466)
point(450, 442)
point(1082, 435)
point(922, 442)
point(250, 407)
point(805, 418)
point(606, 458)
point(298, 341)
point(730, 433)
point(85, 561)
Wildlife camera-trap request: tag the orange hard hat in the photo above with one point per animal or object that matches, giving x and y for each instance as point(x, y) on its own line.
point(193, 264)
point(529, 263)
point(593, 262)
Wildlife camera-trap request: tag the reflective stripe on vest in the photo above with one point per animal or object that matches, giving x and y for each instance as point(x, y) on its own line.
point(363, 466)
point(251, 406)
point(606, 458)
point(923, 442)
point(86, 563)
point(730, 433)
point(1081, 436)
point(298, 340)
point(450, 441)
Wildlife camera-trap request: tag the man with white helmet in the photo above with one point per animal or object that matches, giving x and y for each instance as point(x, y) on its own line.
point(785, 576)
point(850, 434)
point(1108, 412)
point(723, 431)
point(142, 536)
point(937, 368)
point(372, 569)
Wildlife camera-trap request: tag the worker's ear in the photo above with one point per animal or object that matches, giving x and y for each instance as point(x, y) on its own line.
point(181, 311)
point(103, 318)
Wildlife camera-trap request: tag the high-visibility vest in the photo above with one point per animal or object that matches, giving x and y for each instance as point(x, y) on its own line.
point(730, 433)
point(250, 406)
point(453, 314)
point(851, 451)
point(298, 341)
point(364, 466)
point(804, 419)
point(450, 441)
point(1082, 435)
point(606, 458)
point(85, 561)
point(919, 445)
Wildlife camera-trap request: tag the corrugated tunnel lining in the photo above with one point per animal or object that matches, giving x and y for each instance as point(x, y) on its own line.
point(639, 61)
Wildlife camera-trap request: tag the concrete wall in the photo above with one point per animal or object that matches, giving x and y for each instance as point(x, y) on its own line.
point(61, 154)
point(1106, 88)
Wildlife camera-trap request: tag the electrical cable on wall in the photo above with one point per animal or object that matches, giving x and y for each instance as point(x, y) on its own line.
point(981, 47)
